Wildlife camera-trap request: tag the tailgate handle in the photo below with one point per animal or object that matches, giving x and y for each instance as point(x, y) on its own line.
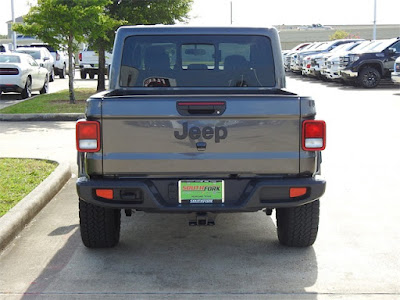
point(201, 108)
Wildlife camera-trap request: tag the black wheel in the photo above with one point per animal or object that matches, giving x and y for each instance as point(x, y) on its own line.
point(45, 88)
point(298, 226)
point(83, 75)
point(63, 72)
point(100, 226)
point(27, 91)
point(369, 77)
point(91, 75)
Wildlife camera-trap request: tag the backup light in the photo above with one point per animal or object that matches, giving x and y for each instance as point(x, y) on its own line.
point(314, 135)
point(88, 136)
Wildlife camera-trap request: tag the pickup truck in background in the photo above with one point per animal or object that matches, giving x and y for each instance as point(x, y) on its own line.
point(367, 68)
point(197, 122)
point(89, 62)
point(332, 64)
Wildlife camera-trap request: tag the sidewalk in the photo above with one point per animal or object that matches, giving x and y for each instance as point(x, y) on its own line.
point(42, 140)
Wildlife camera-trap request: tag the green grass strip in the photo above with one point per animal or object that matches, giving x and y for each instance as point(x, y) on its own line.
point(18, 177)
point(52, 103)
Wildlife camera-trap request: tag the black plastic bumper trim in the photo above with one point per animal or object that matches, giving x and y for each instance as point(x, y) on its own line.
point(248, 199)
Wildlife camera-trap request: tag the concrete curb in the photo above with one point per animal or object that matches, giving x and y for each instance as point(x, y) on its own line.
point(21, 214)
point(41, 117)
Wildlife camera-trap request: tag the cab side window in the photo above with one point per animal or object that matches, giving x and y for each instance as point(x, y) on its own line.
point(396, 46)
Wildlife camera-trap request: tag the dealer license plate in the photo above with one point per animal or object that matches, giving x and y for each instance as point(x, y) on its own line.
point(201, 191)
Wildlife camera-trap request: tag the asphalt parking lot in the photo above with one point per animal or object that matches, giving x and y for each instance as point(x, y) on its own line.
point(356, 256)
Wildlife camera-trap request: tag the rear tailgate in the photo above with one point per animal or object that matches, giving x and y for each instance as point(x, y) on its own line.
point(155, 136)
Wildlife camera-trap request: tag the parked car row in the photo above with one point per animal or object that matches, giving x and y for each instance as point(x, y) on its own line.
point(60, 59)
point(351, 61)
point(31, 68)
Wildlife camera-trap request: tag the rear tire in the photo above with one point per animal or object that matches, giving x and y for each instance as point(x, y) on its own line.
point(369, 78)
point(45, 88)
point(83, 75)
point(63, 72)
point(298, 226)
point(27, 91)
point(100, 226)
point(91, 75)
point(52, 75)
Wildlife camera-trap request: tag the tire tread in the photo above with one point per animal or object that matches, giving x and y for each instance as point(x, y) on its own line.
point(298, 226)
point(100, 227)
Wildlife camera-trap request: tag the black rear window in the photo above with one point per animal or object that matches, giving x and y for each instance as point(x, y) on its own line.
point(197, 61)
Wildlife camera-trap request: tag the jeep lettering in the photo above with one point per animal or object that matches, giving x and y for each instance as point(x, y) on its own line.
point(207, 133)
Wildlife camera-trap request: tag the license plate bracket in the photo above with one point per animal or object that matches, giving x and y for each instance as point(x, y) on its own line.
point(201, 191)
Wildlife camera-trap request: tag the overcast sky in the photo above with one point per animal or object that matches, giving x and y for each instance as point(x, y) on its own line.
point(262, 13)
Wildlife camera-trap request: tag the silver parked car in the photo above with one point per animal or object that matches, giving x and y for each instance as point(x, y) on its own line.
point(20, 73)
point(43, 58)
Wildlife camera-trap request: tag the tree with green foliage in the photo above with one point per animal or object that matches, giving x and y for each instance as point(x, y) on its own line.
point(65, 24)
point(341, 34)
point(134, 12)
point(101, 38)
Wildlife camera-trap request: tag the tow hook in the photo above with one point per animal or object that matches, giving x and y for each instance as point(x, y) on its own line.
point(268, 211)
point(202, 219)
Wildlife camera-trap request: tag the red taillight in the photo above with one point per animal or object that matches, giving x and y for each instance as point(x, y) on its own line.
point(308, 66)
point(80, 56)
point(88, 136)
point(314, 135)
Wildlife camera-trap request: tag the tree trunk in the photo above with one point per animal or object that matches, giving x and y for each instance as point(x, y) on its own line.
point(71, 70)
point(101, 83)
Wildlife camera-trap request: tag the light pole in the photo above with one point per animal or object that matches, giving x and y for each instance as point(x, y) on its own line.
point(14, 36)
point(374, 31)
point(231, 14)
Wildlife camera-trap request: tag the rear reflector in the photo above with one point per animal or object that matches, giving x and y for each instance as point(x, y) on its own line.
point(105, 193)
point(297, 192)
point(314, 135)
point(88, 136)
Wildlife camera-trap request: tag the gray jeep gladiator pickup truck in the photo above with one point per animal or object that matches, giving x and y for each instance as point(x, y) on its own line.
point(196, 121)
